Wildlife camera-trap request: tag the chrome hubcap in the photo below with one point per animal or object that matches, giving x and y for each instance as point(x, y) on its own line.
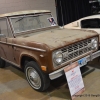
point(33, 78)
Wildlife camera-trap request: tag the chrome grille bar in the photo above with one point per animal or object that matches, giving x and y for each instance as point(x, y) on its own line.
point(75, 50)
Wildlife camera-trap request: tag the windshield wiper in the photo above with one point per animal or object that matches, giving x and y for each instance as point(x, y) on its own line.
point(20, 19)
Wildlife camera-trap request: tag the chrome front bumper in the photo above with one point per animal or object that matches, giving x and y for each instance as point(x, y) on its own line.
point(60, 72)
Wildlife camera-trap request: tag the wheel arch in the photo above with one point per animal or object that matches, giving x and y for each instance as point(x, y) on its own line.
point(25, 58)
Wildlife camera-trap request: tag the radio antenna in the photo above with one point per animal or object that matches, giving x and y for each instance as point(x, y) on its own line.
point(62, 14)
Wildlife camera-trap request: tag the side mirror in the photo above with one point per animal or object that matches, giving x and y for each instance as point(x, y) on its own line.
point(2, 36)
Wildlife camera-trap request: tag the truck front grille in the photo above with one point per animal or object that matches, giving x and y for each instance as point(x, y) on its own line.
point(75, 50)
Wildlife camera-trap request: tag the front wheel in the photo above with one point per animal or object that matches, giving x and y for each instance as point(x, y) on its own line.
point(35, 77)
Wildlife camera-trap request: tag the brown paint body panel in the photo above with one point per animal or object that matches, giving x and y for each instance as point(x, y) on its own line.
point(44, 43)
point(56, 38)
point(39, 45)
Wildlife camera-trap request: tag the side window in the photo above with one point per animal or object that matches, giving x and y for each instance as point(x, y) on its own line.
point(4, 28)
point(90, 23)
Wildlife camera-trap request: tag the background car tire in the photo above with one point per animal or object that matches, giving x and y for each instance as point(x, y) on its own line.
point(2, 63)
point(35, 77)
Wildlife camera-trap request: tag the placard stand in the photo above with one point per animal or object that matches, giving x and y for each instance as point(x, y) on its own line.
point(74, 79)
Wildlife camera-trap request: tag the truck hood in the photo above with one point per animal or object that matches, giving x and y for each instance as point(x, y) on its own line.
point(94, 29)
point(58, 37)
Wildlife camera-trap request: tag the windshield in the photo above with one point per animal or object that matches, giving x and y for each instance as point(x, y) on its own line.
point(31, 22)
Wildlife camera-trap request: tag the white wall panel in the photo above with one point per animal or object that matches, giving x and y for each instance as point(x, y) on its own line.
point(7, 6)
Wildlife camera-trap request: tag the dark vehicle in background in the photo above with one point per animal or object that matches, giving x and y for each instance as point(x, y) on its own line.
point(94, 6)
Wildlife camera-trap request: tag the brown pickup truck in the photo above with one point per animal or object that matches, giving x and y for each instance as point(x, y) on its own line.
point(32, 41)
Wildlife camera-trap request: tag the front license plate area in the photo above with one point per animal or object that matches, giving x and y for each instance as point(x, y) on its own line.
point(82, 62)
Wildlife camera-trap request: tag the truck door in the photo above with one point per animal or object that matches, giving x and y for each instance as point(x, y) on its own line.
point(6, 47)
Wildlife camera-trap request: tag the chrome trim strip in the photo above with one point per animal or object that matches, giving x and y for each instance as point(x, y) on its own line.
point(24, 12)
point(21, 46)
point(71, 60)
point(10, 27)
point(10, 62)
point(60, 72)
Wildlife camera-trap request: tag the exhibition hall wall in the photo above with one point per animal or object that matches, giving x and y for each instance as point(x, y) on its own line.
point(7, 6)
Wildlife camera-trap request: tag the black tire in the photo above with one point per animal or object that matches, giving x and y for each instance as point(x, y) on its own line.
point(2, 63)
point(35, 76)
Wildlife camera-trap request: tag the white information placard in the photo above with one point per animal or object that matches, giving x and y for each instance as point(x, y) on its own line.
point(74, 79)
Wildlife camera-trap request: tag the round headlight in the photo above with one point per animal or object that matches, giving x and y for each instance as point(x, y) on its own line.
point(58, 57)
point(94, 43)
